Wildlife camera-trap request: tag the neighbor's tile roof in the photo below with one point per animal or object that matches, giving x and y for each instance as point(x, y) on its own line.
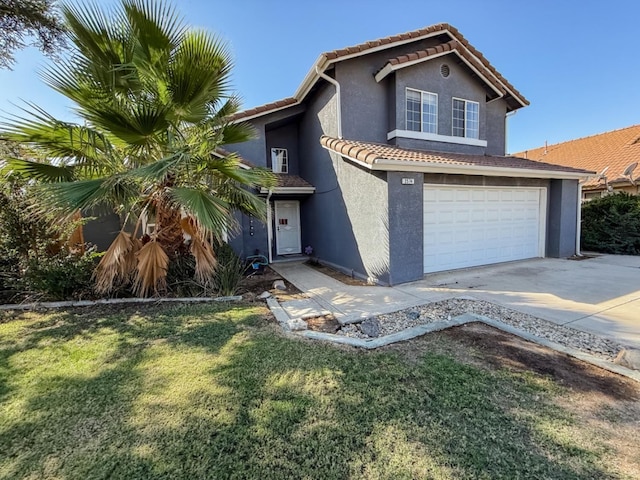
point(370, 152)
point(288, 180)
point(616, 150)
point(363, 48)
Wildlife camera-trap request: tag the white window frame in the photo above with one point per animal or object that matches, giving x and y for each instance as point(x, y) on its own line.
point(422, 123)
point(284, 166)
point(466, 121)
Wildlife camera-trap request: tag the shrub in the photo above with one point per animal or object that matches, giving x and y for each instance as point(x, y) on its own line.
point(229, 272)
point(62, 276)
point(611, 224)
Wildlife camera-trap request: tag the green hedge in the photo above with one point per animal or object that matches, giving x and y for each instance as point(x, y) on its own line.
point(611, 224)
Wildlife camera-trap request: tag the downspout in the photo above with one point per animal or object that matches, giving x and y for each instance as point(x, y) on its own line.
point(269, 229)
point(579, 222)
point(506, 130)
point(335, 83)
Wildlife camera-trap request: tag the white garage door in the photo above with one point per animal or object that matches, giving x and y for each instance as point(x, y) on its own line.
point(470, 226)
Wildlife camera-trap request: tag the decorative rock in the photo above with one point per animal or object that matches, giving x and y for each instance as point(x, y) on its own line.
point(279, 284)
point(370, 327)
point(445, 310)
point(264, 295)
point(297, 324)
point(629, 358)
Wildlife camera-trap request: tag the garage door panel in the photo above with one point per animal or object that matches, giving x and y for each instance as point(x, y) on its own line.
point(470, 226)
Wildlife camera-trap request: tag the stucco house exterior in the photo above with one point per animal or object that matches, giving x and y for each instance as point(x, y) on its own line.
point(614, 155)
point(391, 164)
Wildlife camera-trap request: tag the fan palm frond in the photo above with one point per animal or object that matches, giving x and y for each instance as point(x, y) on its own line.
point(151, 269)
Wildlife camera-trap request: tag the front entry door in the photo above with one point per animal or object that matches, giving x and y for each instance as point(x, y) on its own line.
point(287, 227)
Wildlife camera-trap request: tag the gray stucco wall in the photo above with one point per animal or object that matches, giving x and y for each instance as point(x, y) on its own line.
point(426, 76)
point(255, 149)
point(406, 241)
point(346, 220)
point(102, 230)
point(284, 137)
point(562, 220)
point(371, 109)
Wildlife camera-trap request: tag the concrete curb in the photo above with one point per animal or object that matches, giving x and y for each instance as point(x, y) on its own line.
point(115, 301)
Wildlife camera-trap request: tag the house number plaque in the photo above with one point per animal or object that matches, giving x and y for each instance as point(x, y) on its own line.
point(408, 181)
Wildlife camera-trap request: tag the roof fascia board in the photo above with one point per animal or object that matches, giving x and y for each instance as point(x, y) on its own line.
point(393, 68)
point(432, 167)
point(322, 63)
point(267, 112)
point(290, 190)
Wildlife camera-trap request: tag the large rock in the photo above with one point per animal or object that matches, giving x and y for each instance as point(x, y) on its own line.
point(370, 327)
point(264, 295)
point(279, 284)
point(629, 358)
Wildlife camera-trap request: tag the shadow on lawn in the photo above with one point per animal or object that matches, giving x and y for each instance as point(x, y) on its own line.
point(254, 404)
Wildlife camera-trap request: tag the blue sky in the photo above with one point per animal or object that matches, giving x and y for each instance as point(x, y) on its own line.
point(576, 61)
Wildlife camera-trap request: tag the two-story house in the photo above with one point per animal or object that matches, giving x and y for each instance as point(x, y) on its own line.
point(391, 163)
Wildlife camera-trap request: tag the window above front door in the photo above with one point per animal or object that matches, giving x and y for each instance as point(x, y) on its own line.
point(279, 160)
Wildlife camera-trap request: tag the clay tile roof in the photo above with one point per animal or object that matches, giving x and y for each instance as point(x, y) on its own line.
point(450, 46)
point(362, 48)
point(369, 153)
point(288, 180)
point(616, 149)
point(264, 108)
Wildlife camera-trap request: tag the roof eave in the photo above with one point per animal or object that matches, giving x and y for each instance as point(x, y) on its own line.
point(434, 167)
point(383, 164)
point(289, 190)
point(388, 68)
point(322, 63)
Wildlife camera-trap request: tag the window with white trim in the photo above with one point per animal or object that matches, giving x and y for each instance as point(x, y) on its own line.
point(466, 118)
point(422, 111)
point(279, 160)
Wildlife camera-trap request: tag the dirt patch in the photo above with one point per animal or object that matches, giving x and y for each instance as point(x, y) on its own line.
point(486, 346)
point(336, 275)
point(325, 324)
point(254, 285)
point(605, 407)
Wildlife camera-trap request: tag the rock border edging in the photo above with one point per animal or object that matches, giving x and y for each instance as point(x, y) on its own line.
point(115, 301)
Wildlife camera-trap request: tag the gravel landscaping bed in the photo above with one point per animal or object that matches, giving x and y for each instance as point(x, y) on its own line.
point(447, 309)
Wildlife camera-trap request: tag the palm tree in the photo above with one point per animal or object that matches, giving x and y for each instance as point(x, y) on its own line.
point(155, 101)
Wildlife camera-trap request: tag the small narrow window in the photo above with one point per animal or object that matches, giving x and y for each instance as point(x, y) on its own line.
point(279, 160)
point(422, 111)
point(466, 118)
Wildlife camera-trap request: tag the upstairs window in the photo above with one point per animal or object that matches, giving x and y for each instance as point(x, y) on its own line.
point(466, 118)
point(422, 111)
point(279, 160)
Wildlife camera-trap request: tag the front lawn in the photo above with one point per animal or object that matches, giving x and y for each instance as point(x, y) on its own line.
point(212, 391)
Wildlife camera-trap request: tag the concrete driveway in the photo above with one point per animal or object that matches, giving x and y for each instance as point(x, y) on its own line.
point(599, 295)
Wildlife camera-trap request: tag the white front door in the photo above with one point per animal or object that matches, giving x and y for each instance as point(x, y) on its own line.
point(287, 227)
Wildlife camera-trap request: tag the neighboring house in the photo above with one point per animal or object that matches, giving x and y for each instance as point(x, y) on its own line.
point(391, 164)
point(613, 155)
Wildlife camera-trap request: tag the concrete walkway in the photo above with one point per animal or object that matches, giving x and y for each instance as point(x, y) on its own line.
point(599, 295)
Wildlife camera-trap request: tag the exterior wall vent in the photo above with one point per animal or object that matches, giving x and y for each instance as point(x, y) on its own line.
point(444, 70)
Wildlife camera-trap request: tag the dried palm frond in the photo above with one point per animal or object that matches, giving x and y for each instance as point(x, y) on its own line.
point(151, 270)
point(117, 263)
point(205, 259)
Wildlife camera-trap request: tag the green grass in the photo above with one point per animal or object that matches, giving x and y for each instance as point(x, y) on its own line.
point(214, 392)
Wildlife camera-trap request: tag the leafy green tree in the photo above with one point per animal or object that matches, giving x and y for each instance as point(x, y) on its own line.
point(28, 22)
point(611, 224)
point(155, 103)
